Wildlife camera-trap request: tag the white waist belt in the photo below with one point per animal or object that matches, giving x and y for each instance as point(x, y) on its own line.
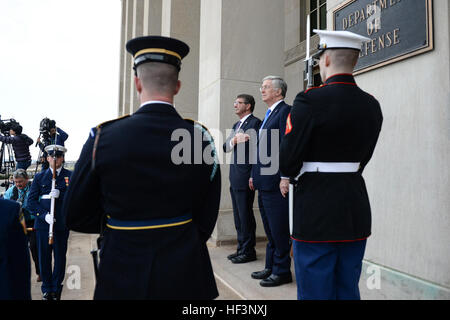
point(329, 167)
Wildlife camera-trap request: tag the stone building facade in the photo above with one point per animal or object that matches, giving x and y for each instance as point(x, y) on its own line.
point(235, 43)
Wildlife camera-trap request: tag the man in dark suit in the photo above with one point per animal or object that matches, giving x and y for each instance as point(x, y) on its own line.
point(39, 201)
point(156, 228)
point(15, 267)
point(242, 142)
point(272, 185)
point(330, 137)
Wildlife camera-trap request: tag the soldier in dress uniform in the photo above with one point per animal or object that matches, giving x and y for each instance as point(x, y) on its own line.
point(39, 201)
point(331, 134)
point(15, 268)
point(156, 228)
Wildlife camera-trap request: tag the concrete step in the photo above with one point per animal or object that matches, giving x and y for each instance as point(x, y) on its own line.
point(237, 276)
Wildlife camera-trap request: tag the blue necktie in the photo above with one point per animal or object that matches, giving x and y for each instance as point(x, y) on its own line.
point(265, 119)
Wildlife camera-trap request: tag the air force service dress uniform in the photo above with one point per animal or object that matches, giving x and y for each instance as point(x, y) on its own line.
point(39, 201)
point(331, 135)
point(159, 211)
point(15, 269)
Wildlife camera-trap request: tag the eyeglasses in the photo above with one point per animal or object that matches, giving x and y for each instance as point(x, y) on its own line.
point(239, 102)
point(265, 88)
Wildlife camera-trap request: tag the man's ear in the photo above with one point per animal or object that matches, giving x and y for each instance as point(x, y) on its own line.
point(138, 84)
point(327, 60)
point(177, 88)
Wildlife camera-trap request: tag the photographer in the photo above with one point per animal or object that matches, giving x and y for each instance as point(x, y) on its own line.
point(50, 135)
point(19, 193)
point(20, 143)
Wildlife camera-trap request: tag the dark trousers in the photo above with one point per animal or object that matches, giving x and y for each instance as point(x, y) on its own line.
point(274, 210)
point(328, 271)
point(23, 164)
point(31, 235)
point(52, 279)
point(244, 220)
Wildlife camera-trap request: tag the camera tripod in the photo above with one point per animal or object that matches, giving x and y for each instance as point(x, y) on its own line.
point(7, 164)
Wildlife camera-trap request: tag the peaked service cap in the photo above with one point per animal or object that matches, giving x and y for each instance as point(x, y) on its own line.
point(339, 40)
point(157, 49)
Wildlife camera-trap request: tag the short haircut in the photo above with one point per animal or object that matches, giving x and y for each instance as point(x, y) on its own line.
point(278, 83)
point(158, 77)
point(343, 57)
point(248, 100)
point(20, 173)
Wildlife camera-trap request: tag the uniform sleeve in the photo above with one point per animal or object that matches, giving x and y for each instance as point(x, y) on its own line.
point(33, 200)
point(206, 207)
point(19, 260)
point(81, 206)
point(293, 145)
point(282, 125)
point(373, 143)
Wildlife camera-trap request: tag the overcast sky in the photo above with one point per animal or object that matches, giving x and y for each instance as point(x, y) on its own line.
point(59, 59)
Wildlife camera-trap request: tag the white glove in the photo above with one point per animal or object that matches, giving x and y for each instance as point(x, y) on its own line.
point(54, 193)
point(49, 218)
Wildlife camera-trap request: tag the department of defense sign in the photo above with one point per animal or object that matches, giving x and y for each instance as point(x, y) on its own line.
point(398, 29)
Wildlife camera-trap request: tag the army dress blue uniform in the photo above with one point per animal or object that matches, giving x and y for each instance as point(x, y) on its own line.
point(15, 268)
point(154, 177)
point(159, 214)
point(40, 206)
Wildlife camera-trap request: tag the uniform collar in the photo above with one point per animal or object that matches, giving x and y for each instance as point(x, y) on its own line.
point(156, 106)
point(341, 78)
point(58, 171)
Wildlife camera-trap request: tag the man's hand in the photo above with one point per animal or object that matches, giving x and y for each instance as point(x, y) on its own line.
point(54, 193)
point(240, 138)
point(49, 218)
point(284, 186)
point(250, 184)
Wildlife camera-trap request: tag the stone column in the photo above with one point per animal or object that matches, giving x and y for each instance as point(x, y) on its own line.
point(139, 17)
point(181, 20)
point(241, 42)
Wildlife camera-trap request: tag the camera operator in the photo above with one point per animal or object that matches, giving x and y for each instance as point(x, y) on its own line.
point(19, 193)
point(50, 135)
point(20, 143)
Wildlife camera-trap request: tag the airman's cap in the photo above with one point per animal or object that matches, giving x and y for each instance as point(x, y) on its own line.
point(339, 40)
point(157, 49)
point(55, 149)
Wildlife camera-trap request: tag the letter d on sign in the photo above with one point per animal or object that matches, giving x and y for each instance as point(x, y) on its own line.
point(374, 280)
point(74, 280)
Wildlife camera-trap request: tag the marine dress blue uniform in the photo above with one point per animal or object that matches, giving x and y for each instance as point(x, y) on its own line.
point(15, 268)
point(41, 186)
point(331, 135)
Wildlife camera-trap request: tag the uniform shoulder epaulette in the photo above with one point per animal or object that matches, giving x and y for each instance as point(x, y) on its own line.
point(95, 134)
point(210, 139)
point(103, 124)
